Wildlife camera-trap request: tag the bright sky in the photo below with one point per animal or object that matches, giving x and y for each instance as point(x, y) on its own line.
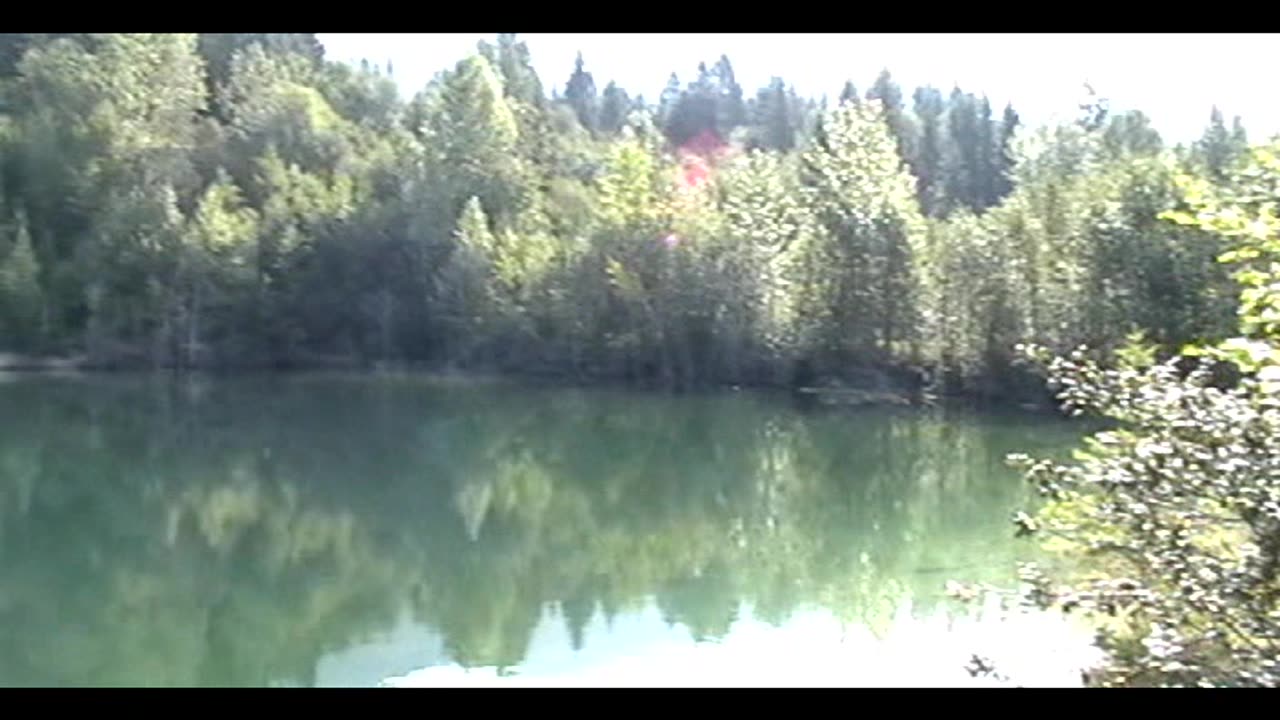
point(1174, 78)
point(811, 649)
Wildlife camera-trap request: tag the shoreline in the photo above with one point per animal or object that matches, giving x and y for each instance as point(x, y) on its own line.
point(822, 392)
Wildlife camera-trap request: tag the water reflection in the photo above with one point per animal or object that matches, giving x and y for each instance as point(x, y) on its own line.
point(330, 530)
point(813, 648)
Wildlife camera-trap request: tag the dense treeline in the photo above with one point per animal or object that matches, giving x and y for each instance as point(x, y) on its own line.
point(237, 200)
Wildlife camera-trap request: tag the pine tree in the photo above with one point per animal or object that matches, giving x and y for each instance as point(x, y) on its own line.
point(695, 112)
point(1216, 143)
point(1009, 122)
point(514, 63)
point(731, 108)
point(1218, 149)
point(580, 93)
point(1239, 138)
point(1130, 133)
point(668, 100)
point(986, 162)
point(849, 94)
point(773, 124)
point(900, 122)
point(963, 178)
point(615, 106)
point(930, 109)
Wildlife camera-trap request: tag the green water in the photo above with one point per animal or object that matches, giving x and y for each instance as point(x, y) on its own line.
point(310, 530)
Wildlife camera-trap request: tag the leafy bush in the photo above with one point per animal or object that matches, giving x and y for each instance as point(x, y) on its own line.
point(1172, 517)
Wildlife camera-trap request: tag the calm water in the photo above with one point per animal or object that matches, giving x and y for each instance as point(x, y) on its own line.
point(355, 531)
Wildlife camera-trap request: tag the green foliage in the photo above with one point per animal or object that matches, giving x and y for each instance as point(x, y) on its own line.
point(973, 162)
point(1131, 133)
point(220, 49)
point(580, 93)
point(767, 230)
point(1138, 353)
point(901, 125)
point(1176, 510)
point(614, 108)
point(731, 108)
point(696, 112)
point(21, 299)
point(212, 200)
point(929, 108)
point(467, 274)
point(235, 199)
point(774, 122)
point(511, 58)
point(471, 139)
point(863, 202)
point(1218, 149)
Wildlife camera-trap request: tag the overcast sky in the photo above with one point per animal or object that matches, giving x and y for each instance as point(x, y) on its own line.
point(1174, 78)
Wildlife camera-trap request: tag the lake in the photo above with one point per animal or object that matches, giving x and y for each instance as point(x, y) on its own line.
point(327, 530)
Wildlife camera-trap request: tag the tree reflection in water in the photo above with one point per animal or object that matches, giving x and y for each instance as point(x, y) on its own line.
point(241, 531)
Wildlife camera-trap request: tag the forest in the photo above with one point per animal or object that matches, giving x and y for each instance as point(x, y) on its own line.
point(207, 201)
point(237, 201)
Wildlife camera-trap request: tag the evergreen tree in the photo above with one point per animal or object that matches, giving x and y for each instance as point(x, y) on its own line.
point(963, 169)
point(695, 112)
point(774, 126)
point(1009, 122)
point(987, 164)
point(668, 100)
point(514, 65)
point(930, 109)
point(901, 125)
point(731, 108)
point(1131, 133)
point(849, 93)
point(580, 93)
point(615, 106)
point(1239, 138)
point(1218, 148)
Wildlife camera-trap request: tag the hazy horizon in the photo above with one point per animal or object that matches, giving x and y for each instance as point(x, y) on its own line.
point(1174, 79)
